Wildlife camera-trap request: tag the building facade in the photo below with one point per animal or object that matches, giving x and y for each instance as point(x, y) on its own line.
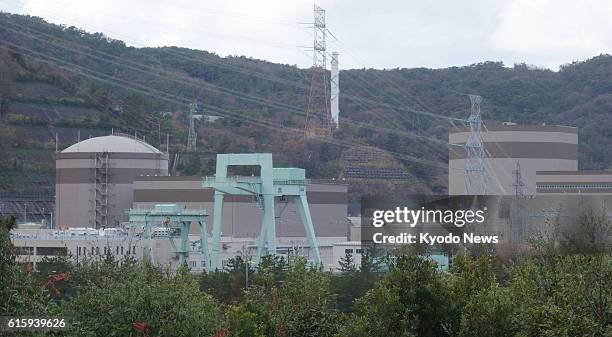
point(534, 147)
point(94, 179)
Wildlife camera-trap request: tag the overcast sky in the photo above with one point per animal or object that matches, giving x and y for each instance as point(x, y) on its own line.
point(371, 34)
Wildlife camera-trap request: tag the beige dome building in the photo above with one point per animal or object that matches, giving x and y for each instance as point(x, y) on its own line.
point(94, 179)
point(534, 147)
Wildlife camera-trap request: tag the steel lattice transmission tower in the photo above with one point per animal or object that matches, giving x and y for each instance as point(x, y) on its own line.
point(519, 185)
point(318, 115)
point(518, 209)
point(192, 137)
point(475, 176)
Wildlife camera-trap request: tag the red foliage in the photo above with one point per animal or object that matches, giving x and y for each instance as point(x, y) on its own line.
point(52, 279)
point(143, 327)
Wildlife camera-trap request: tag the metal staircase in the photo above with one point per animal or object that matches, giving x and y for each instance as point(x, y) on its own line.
point(101, 190)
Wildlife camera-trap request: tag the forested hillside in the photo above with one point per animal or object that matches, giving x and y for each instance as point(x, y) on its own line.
point(56, 79)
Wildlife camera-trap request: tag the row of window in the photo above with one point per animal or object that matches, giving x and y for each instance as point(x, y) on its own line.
point(574, 186)
point(353, 251)
point(84, 251)
point(50, 251)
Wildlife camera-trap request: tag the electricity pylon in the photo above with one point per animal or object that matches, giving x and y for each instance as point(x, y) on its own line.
point(475, 182)
point(518, 209)
point(192, 137)
point(318, 115)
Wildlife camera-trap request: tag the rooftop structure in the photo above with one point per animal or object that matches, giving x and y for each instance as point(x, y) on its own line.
point(112, 143)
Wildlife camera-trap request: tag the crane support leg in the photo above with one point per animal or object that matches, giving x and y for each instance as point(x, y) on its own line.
point(304, 210)
point(261, 243)
point(217, 226)
point(204, 245)
point(269, 221)
point(184, 242)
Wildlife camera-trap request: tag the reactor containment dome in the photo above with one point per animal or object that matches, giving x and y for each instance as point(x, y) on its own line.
point(94, 179)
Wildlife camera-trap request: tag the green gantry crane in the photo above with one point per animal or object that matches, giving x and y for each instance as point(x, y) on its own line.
point(289, 183)
point(177, 219)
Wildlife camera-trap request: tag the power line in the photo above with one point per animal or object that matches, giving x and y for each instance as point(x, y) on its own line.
point(181, 100)
point(184, 79)
point(345, 96)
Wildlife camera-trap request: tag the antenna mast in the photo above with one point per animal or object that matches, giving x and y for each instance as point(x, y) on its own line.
point(475, 183)
point(318, 115)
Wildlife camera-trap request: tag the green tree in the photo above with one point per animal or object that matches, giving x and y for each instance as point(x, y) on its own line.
point(408, 301)
point(561, 294)
point(300, 305)
point(172, 305)
point(488, 312)
point(20, 294)
point(352, 283)
point(192, 165)
point(227, 285)
point(347, 263)
point(467, 277)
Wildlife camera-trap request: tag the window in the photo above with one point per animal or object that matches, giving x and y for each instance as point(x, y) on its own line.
point(23, 250)
point(121, 250)
point(52, 251)
point(575, 186)
point(117, 251)
point(359, 250)
point(78, 251)
point(348, 251)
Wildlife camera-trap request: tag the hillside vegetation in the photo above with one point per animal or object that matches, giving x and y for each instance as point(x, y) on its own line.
point(57, 79)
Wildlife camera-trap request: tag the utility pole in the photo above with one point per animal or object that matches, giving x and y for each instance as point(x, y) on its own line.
point(318, 115)
point(475, 182)
point(192, 137)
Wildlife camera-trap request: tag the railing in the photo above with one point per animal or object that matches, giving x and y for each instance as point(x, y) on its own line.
point(250, 180)
point(292, 182)
point(65, 236)
point(239, 179)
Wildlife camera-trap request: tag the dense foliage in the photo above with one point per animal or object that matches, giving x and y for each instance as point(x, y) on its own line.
point(553, 292)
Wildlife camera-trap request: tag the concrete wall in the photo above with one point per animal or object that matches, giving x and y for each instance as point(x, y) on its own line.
point(242, 217)
point(75, 187)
